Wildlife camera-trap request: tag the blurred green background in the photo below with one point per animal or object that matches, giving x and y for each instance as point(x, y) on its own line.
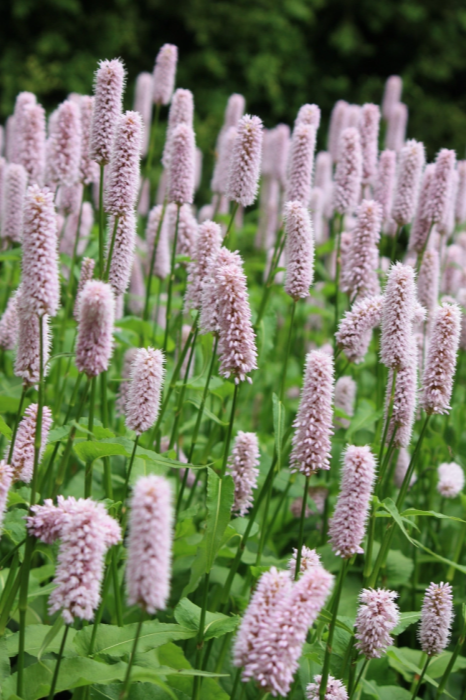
point(278, 53)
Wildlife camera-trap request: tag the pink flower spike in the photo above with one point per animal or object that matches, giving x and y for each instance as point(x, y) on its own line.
point(309, 559)
point(355, 329)
point(378, 615)
point(221, 175)
point(421, 225)
point(6, 477)
point(87, 272)
point(242, 465)
point(122, 185)
point(335, 689)
point(208, 245)
point(404, 400)
point(397, 317)
point(209, 318)
point(64, 147)
point(345, 396)
point(22, 460)
point(460, 204)
point(392, 94)
point(234, 110)
point(164, 74)
point(412, 160)
point(281, 148)
point(396, 128)
point(385, 182)
point(123, 251)
point(450, 480)
point(88, 169)
point(348, 174)
point(143, 105)
point(299, 251)
point(94, 344)
point(149, 543)
point(440, 185)
point(9, 324)
point(246, 161)
point(369, 131)
point(14, 192)
point(108, 90)
point(436, 618)
point(360, 277)
point(30, 143)
point(144, 391)
point(181, 112)
point(308, 114)
point(181, 171)
point(301, 164)
point(428, 281)
point(27, 360)
point(338, 122)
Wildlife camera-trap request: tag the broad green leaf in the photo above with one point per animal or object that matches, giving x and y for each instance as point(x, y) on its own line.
point(278, 427)
point(430, 513)
point(118, 641)
point(220, 493)
point(390, 506)
point(454, 564)
point(50, 636)
point(8, 404)
point(364, 418)
point(385, 692)
point(5, 429)
point(58, 434)
point(325, 616)
point(89, 450)
point(207, 412)
point(216, 625)
point(406, 619)
point(171, 655)
point(145, 674)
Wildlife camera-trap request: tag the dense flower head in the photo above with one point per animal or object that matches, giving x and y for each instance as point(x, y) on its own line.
point(144, 391)
point(345, 396)
point(299, 250)
point(242, 465)
point(88, 168)
point(153, 224)
point(392, 94)
point(441, 359)
point(397, 317)
point(209, 318)
point(421, 225)
point(22, 459)
point(338, 122)
point(308, 114)
point(123, 390)
point(14, 191)
point(428, 280)
point(450, 480)
point(86, 274)
point(404, 401)
point(301, 164)
point(309, 558)
point(181, 112)
point(209, 240)
point(143, 105)
point(323, 176)
point(335, 689)
point(64, 147)
point(122, 185)
point(237, 340)
point(6, 477)
point(402, 465)
point(9, 324)
point(245, 165)
point(221, 176)
point(360, 270)
point(40, 283)
point(281, 147)
point(69, 198)
point(313, 423)
point(182, 165)
point(348, 525)
point(412, 158)
point(447, 224)
point(460, 204)
point(385, 182)
point(123, 250)
point(396, 127)
point(441, 183)
point(355, 329)
point(316, 206)
point(369, 131)
point(377, 616)
point(234, 110)
point(86, 532)
point(436, 618)
point(15, 124)
point(10, 138)
point(108, 90)
point(149, 544)
point(348, 174)
point(27, 360)
point(164, 74)
point(30, 143)
point(454, 259)
point(187, 229)
point(94, 344)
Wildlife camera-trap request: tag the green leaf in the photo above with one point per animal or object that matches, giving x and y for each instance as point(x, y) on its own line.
point(460, 567)
point(50, 636)
point(5, 429)
point(406, 619)
point(430, 513)
point(385, 692)
point(220, 493)
point(391, 508)
point(118, 641)
point(8, 404)
point(207, 412)
point(89, 450)
point(278, 427)
point(325, 616)
point(216, 625)
point(364, 418)
point(58, 434)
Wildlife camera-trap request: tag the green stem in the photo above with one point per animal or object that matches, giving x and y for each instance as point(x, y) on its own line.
point(421, 678)
point(152, 262)
point(200, 636)
point(457, 554)
point(179, 408)
point(10, 580)
point(358, 679)
point(153, 139)
point(331, 629)
point(395, 241)
point(57, 665)
point(17, 419)
point(388, 416)
point(90, 427)
point(226, 449)
point(420, 257)
point(117, 588)
point(279, 245)
point(110, 250)
point(235, 684)
point(287, 352)
point(171, 279)
point(203, 400)
point(337, 274)
point(8, 606)
point(383, 468)
point(130, 467)
point(127, 681)
point(230, 223)
point(101, 221)
point(301, 529)
point(264, 525)
point(451, 663)
point(104, 418)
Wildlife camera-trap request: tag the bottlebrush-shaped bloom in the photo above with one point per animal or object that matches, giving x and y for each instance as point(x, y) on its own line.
point(412, 158)
point(181, 112)
point(348, 174)
point(401, 468)
point(450, 480)
point(446, 226)
point(428, 281)
point(272, 587)
point(397, 316)
point(281, 148)
point(454, 259)
point(69, 198)
point(355, 329)
point(245, 164)
point(122, 395)
point(14, 191)
point(123, 250)
point(27, 360)
point(108, 91)
point(22, 460)
point(316, 206)
point(369, 132)
point(64, 147)
point(234, 110)
point(354, 116)
point(309, 558)
point(209, 241)
point(152, 227)
point(149, 544)
point(462, 302)
point(30, 143)
point(237, 340)
point(274, 658)
point(338, 122)
point(86, 532)
point(348, 525)
point(86, 274)
point(143, 105)
point(436, 618)
point(439, 190)
point(10, 138)
point(187, 229)
point(396, 127)
point(308, 114)
point(404, 401)
point(143, 400)
point(360, 271)
point(323, 177)
point(335, 689)
point(385, 182)
point(378, 615)
point(440, 366)
point(345, 396)
point(313, 423)
point(460, 204)
point(392, 94)
point(94, 344)
point(301, 164)
point(209, 318)
point(299, 251)
point(6, 477)
point(164, 74)
point(15, 124)
point(122, 186)
point(40, 283)
point(88, 168)
point(9, 324)
point(181, 171)
point(221, 176)
point(421, 225)
point(242, 465)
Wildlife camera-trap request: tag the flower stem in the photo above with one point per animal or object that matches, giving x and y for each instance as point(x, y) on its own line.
point(152, 262)
point(226, 449)
point(153, 139)
point(301, 528)
point(17, 419)
point(101, 221)
point(203, 400)
point(451, 663)
point(57, 665)
point(179, 407)
point(279, 245)
point(287, 351)
point(395, 241)
point(230, 223)
point(104, 419)
point(127, 681)
point(421, 678)
point(337, 273)
point(130, 467)
point(388, 416)
point(358, 679)
point(200, 637)
point(110, 250)
point(171, 279)
point(331, 629)
point(90, 427)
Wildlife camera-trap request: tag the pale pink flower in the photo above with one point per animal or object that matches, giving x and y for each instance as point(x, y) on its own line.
point(446, 226)
point(222, 165)
point(348, 525)
point(137, 289)
point(281, 146)
point(144, 199)
point(242, 465)
point(10, 137)
point(348, 174)
point(309, 558)
point(209, 318)
point(40, 283)
point(299, 250)
point(234, 110)
point(462, 301)
point(181, 171)
point(209, 240)
point(149, 544)
point(15, 124)
point(313, 423)
point(272, 587)
point(164, 74)
point(143, 105)
point(335, 689)
point(22, 459)
point(187, 229)
point(355, 329)
point(123, 250)
point(14, 192)
point(94, 344)
point(353, 116)
point(198, 158)
point(144, 391)
point(301, 164)
point(245, 163)
point(122, 185)
point(308, 114)
point(69, 198)
point(360, 270)
point(181, 112)
point(30, 143)
point(47, 522)
point(412, 158)
point(6, 477)
point(421, 225)
point(323, 178)
point(86, 274)
point(378, 615)
point(439, 190)
point(397, 316)
point(345, 396)
point(162, 254)
point(436, 618)
point(404, 401)
point(27, 360)
point(85, 219)
point(9, 324)
point(88, 169)
point(237, 340)
point(441, 359)
point(108, 90)
point(316, 206)
point(454, 264)
point(450, 480)
point(385, 182)
point(123, 390)
point(369, 131)
point(338, 122)
point(396, 127)
point(428, 281)
point(392, 94)
point(401, 468)
point(460, 204)
point(64, 147)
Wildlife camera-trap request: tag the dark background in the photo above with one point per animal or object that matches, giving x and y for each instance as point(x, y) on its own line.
point(278, 53)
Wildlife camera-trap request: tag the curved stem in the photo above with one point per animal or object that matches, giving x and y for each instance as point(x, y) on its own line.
point(203, 400)
point(358, 679)
point(101, 221)
point(17, 419)
point(171, 279)
point(301, 529)
point(90, 427)
point(179, 407)
point(110, 250)
point(57, 665)
point(130, 467)
point(421, 678)
point(127, 681)
point(232, 218)
point(229, 429)
point(331, 629)
point(152, 262)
